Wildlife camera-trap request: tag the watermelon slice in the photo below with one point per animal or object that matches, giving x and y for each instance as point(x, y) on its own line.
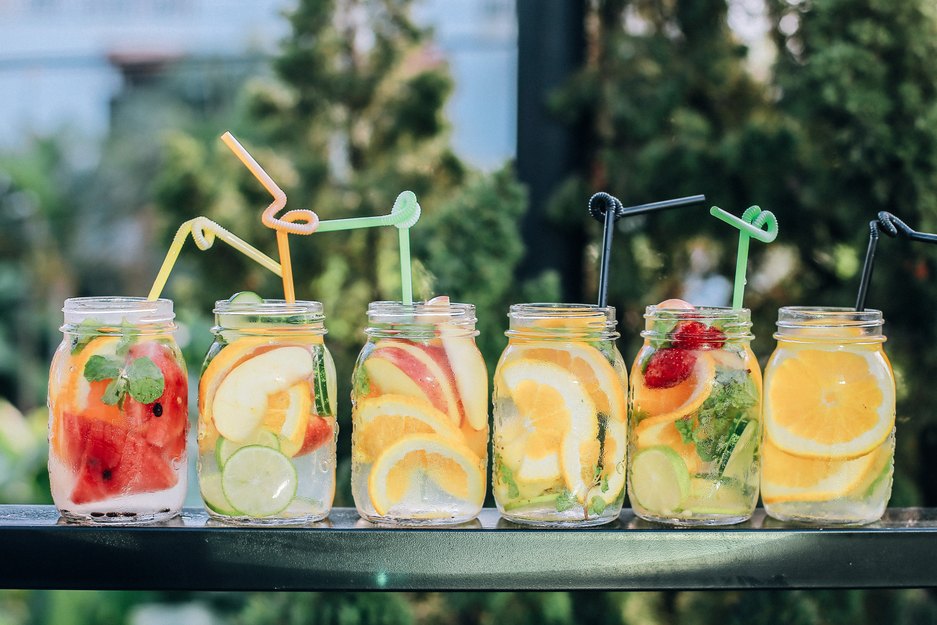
point(162, 423)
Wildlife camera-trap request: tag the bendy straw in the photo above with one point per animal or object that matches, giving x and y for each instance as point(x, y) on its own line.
point(754, 223)
point(608, 209)
point(204, 231)
point(302, 221)
point(895, 228)
point(404, 215)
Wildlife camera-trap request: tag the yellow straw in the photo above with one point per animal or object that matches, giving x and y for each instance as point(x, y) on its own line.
point(302, 221)
point(203, 232)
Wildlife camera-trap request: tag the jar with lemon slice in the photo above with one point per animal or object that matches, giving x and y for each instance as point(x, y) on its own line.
point(267, 402)
point(694, 411)
point(118, 413)
point(559, 417)
point(419, 415)
point(829, 418)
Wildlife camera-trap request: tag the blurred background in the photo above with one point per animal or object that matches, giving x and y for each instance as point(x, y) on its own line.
point(504, 117)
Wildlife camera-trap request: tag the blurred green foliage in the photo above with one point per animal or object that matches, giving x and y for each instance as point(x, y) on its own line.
point(843, 125)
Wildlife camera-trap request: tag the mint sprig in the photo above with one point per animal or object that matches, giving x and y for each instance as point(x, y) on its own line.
point(565, 501)
point(713, 430)
point(506, 476)
point(141, 378)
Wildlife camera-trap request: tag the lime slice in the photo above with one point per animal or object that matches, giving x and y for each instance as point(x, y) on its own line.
point(740, 462)
point(716, 497)
point(245, 297)
point(259, 481)
point(660, 482)
point(210, 486)
point(225, 448)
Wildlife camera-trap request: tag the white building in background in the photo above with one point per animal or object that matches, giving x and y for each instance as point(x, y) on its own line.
point(57, 69)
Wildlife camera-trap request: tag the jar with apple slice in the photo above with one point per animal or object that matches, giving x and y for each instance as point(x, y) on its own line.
point(419, 415)
point(559, 434)
point(118, 413)
point(267, 405)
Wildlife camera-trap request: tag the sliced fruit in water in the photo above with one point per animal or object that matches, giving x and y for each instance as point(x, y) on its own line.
point(669, 404)
point(259, 481)
point(288, 414)
point(78, 392)
point(319, 431)
point(225, 448)
point(613, 464)
point(162, 422)
point(830, 404)
point(245, 297)
point(558, 417)
point(741, 460)
point(451, 465)
point(240, 403)
point(648, 434)
point(209, 483)
point(383, 420)
point(470, 374)
point(659, 481)
point(786, 477)
point(717, 497)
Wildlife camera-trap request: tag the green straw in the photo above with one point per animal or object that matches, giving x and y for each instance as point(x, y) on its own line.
point(750, 225)
point(404, 214)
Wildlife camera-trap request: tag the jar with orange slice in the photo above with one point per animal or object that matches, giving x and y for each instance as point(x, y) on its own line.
point(829, 418)
point(694, 411)
point(559, 417)
point(419, 415)
point(267, 405)
point(118, 413)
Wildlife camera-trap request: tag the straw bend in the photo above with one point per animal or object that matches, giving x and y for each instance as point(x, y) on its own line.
point(756, 223)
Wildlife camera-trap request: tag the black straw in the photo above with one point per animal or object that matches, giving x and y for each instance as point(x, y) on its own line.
point(896, 229)
point(608, 209)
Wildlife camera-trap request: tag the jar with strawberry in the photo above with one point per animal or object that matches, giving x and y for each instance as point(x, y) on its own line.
point(118, 413)
point(695, 417)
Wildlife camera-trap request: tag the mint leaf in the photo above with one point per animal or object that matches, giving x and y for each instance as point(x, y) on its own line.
point(506, 477)
point(100, 368)
point(596, 505)
point(129, 336)
point(323, 407)
point(144, 380)
point(663, 327)
point(565, 501)
point(732, 401)
point(685, 427)
point(603, 484)
point(84, 334)
point(114, 393)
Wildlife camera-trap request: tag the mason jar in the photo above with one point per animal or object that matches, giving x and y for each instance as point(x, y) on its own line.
point(419, 415)
point(267, 406)
point(829, 418)
point(559, 417)
point(695, 416)
point(118, 413)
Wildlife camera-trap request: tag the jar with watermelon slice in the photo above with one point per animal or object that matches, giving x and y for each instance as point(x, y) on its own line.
point(267, 405)
point(118, 413)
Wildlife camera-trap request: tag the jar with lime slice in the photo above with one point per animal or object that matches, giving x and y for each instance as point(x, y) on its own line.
point(694, 410)
point(559, 417)
point(267, 405)
point(829, 418)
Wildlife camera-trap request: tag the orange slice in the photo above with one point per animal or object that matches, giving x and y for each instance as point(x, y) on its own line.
point(78, 389)
point(287, 416)
point(559, 425)
point(785, 477)
point(663, 405)
point(382, 421)
point(451, 465)
point(589, 366)
point(829, 404)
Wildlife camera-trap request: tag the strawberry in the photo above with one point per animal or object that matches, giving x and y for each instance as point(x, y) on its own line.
point(668, 367)
point(696, 335)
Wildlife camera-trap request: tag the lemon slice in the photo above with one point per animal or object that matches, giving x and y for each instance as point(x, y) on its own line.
point(383, 420)
point(558, 419)
point(785, 477)
point(663, 405)
point(451, 465)
point(829, 404)
point(588, 365)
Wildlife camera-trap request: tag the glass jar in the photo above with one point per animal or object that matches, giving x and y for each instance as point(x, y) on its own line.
point(267, 405)
point(829, 418)
point(419, 416)
point(695, 416)
point(118, 413)
point(559, 417)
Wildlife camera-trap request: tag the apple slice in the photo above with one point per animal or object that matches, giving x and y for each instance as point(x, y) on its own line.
point(405, 368)
point(240, 403)
point(470, 373)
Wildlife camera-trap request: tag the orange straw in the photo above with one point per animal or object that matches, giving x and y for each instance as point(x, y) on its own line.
point(301, 221)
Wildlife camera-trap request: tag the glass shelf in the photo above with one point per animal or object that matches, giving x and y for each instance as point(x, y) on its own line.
point(38, 550)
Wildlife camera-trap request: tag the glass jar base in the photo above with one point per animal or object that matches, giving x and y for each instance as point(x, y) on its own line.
point(558, 523)
point(811, 514)
point(248, 521)
point(707, 521)
point(416, 521)
point(118, 518)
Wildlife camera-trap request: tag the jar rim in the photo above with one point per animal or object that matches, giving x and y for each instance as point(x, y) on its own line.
point(395, 311)
point(828, 317)
point(270, 307)
point(550, 310)
point(662, 323)
point(543, 320)
point(701, 313)
point(114, 310)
